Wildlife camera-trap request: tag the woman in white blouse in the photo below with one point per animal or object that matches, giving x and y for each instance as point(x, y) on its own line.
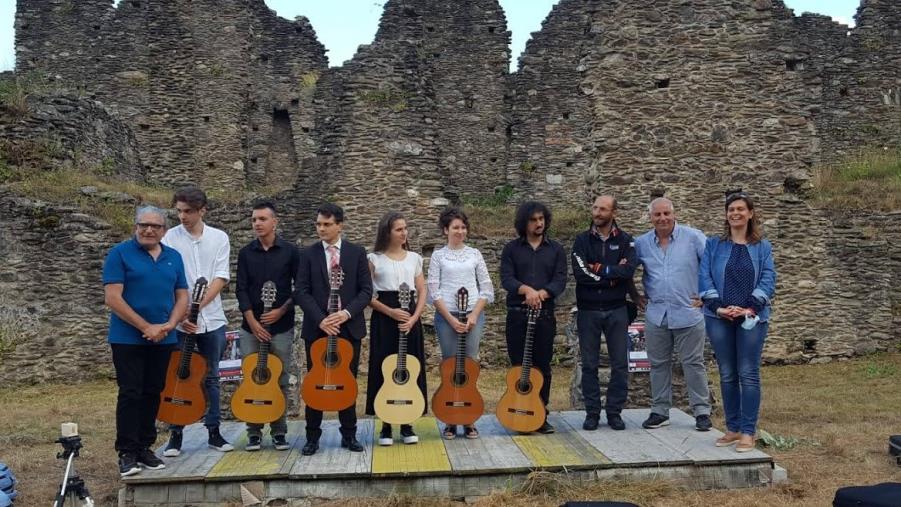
point(451, 267)
point(391, 264)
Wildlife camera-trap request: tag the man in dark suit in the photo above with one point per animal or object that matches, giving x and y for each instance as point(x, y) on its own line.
point(312, 295)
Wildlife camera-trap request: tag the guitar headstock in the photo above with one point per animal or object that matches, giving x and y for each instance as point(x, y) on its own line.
point(462, 299)
point(336, 278)
point(532, 314)
point(269, 293)
point(200, 287)
point(403, 295)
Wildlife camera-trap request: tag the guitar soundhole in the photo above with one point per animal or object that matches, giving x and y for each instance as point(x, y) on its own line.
point(523, 387)
point(331, 360)
point(460, 379)
point(261, 377)
point(184, 373)
point(401, 376)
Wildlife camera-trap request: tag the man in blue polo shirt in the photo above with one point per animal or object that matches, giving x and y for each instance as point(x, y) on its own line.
point(145, 287)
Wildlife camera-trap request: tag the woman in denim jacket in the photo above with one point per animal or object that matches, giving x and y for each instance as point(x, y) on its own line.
point(737, 280)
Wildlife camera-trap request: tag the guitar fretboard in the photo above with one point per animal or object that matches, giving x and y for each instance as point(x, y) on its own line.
point(527, 357)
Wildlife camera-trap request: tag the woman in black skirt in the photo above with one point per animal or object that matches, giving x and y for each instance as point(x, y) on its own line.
point(391, 265)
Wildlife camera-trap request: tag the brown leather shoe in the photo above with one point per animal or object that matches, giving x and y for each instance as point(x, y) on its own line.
point(728, 439)
point(745, 443)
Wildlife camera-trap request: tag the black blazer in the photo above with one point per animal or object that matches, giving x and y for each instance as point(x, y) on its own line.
point(313, 290)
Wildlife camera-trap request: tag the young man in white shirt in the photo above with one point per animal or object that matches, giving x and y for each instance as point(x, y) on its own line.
point(205, 253)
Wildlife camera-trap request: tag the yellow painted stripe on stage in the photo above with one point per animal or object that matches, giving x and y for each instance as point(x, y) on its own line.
point(559, 449)
point(429, 455)
point(265, 462)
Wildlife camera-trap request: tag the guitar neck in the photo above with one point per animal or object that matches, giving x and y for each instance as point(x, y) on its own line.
point(461, 346)
point(186, 352)
point(194, 312)
point(263, 353)
point(527, 353)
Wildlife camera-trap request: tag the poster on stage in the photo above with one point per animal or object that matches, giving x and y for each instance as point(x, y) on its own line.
point(638, 352)
point(230, 362)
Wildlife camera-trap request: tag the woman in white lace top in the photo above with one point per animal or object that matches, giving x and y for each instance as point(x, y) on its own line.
point(451, 267)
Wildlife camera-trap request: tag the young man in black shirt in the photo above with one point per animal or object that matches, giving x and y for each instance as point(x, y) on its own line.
point(533, 271)
point(266, 258)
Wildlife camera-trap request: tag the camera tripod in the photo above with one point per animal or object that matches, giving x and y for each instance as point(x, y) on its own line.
point(73, 490)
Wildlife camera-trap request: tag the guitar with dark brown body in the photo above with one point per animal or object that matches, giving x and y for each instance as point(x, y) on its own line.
point(457, 400)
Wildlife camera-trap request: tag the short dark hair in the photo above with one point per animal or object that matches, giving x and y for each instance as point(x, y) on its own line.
point(265, 204)
point(192, 196)
point(329, 210)
point(524, 213)
point(449, 215)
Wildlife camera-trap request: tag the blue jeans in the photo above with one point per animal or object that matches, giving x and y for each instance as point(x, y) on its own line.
point(738, 354)
point(210, 345)
point(614, 325)
point(447, 337)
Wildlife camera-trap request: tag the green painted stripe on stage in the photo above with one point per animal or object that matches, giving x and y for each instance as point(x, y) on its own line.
point(565, 448)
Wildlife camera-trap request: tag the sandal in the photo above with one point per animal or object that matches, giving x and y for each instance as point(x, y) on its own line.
point(450, 432)
point(470, 432)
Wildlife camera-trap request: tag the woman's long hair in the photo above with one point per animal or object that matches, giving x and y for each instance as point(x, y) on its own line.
point(383, 233)
point(755, 229)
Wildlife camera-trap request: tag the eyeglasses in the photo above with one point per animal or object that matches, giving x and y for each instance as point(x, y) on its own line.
point(153, 227)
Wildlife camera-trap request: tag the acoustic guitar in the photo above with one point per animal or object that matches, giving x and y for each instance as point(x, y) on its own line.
point(521, 408)
point(399, 400)
point(183, 400)
point(457, 400)
point(259, 399)
point(330, 386)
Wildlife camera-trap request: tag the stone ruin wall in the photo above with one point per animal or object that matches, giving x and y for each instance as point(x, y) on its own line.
point(744, 95)
point(211, 89)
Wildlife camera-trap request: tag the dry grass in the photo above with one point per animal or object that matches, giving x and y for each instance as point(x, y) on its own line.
point(870, 180)
point(842, 414)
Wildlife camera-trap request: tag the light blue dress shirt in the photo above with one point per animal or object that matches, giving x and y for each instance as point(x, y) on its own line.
point(671, 276)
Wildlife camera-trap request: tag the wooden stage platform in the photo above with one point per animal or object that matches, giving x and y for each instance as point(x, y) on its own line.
point(435, 467)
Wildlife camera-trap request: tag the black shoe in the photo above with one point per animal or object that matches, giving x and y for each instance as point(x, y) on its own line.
point(547, 429)
point(385, 437)
point(702, 423)
point(173, 448)
point(216, 441)
point(310, 447)
point(409, 436)
point(253, 443)
point(150, 461)
point(615, 422)
point(351, 444)
point(128, 464)
point(591, 422)
point(655, 421)
point(280, 443)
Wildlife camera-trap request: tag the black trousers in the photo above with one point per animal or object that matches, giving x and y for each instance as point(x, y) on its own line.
point(348, 416)
point(141, 376)
point(543, 345)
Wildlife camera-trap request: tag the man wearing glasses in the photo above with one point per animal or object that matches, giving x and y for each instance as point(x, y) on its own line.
point(145, 287)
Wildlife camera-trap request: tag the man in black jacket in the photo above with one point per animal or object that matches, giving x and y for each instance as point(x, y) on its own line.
point(603, 260)
point(312, 295)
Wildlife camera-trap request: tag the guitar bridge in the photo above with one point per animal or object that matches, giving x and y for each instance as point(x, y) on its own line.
point(248, 401)
point(329, 387)
point(400, 402)
point(518, 411)
point(178, 401)
point(457, 404)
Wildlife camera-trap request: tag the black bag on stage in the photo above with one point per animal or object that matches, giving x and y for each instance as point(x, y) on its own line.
point(887, 494)
point(894, 448)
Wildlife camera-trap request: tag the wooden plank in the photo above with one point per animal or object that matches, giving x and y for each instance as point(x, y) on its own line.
point(493, 452)
point(267, 463)
point(699, 445)
point(632, 447)
point(196, 459)
point(563, 449)
point(332, 460)
point(426, 457)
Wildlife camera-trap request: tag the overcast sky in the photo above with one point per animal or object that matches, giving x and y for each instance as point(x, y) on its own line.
point(342, 25)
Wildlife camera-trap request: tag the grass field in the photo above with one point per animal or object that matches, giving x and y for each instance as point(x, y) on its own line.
point(830, 423)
